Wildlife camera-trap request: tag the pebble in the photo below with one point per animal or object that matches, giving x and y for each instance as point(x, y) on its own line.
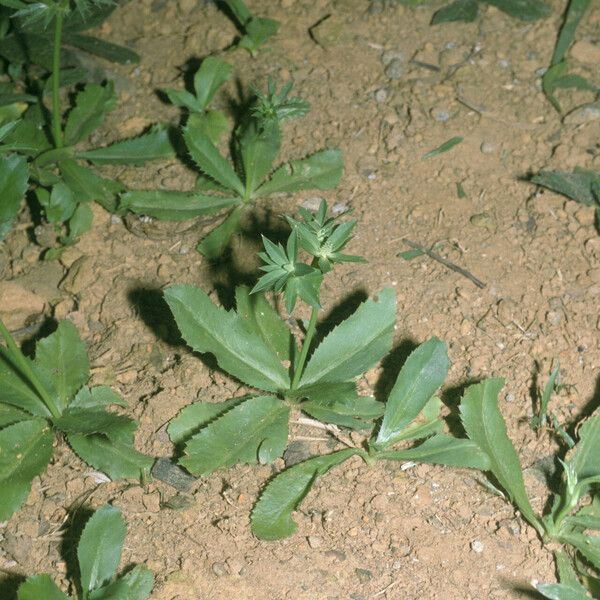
point(314, 541)
point(296, 452)
point(166, 470)
point(364, 575)
point(440, 115)
point(396, 69)
point(312, 203)
point(477, 546)
point(485, 221)
point(487, 148)
point(553, 318)
point(339, 208)
point(381, 95)
point(81, 275)
point(18, 306)
point(220, 569)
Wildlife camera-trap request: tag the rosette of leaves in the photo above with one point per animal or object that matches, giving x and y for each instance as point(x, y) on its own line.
point(468, 10)
point(234, 189)
point(43, 149)
point(47, 397)
point(98, 556)
point(256, 346)
point(574, 510)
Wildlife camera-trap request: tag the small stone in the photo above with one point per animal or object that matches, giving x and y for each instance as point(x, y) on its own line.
point(487, 148)
point(485, 221)
point(19, 307)
point(312, 203)
point(314, 541)
point(364, 575)
point(336, 554)
point(396, 69)
point(586, 52)
point(339, 208)
point(477, 546)
point(439, 114)
point(553, 318)
point(220, 569)
point(166, 470)
point(381, 95)
point(296, 452)
point(81, 275)
point(389, 55)
point(583, 114)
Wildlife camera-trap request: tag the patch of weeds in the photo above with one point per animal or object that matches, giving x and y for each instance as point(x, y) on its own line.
point(575, 508)
point(98, 556)
point(256, 346)
point(41, 149)
point(468, 10)
point(236, 187)
point(580, 185)
point(256, 31)
point(49, 396)
point(557, 76)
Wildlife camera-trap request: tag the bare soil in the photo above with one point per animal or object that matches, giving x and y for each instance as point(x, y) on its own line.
point(386, 532)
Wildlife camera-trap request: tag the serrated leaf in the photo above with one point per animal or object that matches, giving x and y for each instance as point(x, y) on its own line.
point(215, 243)
point(525, 10)
point(254, 430)
point(78, 224)
point(58, 204)
point(460, 10)
point(209, 159)
point(94, 420)
point(96, 397)
point(62, 358)
point(40, 587)
point(258, 144)
point(11, 414)
point(135, 585)
point(87, 185)
point(25, 451)
point(92, 105)
point(421, 375)
point(484, 425)
point(208, 328)
point(272, 514)
point(443, 449)
point(264, 321)
point(102, 48)
point(356, 344)
point(211, 75)
point(167, 205)
point(576, 185)
point(321, 171)
point(100, 546)
point(588, 546)
point(191, 418)
point(584, 460)
point(566, 571)
point(117, 459)
point(154, 145)
point(14, 176)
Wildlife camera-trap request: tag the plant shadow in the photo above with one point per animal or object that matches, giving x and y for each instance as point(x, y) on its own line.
point(9, 586)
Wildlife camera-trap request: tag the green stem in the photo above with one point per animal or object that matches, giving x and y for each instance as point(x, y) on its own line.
point(310, 334)
point(56, 114)
point(23, 364)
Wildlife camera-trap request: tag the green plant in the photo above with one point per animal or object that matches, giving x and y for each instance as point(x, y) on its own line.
point(49, 396)
point(98, 556)
point(411, 414)
point(256, 143)
point(575, 507)
point(467, 10)
point(64, 187)
point(256, 30)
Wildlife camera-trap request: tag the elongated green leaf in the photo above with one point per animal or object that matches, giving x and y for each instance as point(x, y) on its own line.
point(272, 514)
point(183, 98)
point(340, 403)
point(11, 414)
point(91, 107)
point(96, 397)
point(460, 10)
point(209, 160)
point(100, 546)
point(117, 459)
point(78, 224)
point(211, 75)
point(15, 389)
point(526, 10)
point(154, 145)
point(87, 185)
point(558, 77)
point(443, 449)
point(575, 11)
point(25, 451)
point(135, 585)
point(167, 205)
point(103, 49)
point(577, 185)
point(448, 145)
point(421, 375)
point(40, 587)
point(264, 321)
point(208, 328)
point(561, 591)
point(62, 358)
point(585, 460)
point(254, 430)
point(588, 545)
point(356, 344)
point(94, 420)
point(240, 10)
point(215, 243)
point(321, 171)
point(258, 146)
point(197, 415)
point(566, 571)
point(14, 176)
point(484, 424)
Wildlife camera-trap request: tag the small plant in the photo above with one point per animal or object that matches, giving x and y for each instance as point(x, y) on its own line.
point(49, 395)
point(98, 556)
point(467, 10)
point(255, 345)
point(256, 31)
point(256, 143)
point(64, 187)
point(575, 508)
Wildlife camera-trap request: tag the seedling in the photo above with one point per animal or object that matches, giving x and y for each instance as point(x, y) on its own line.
point(98, 555)
point(53, 164)
point(575, 508)
point(47, 396)
point(256, 30)
point(467, 10)
point(236, 188)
